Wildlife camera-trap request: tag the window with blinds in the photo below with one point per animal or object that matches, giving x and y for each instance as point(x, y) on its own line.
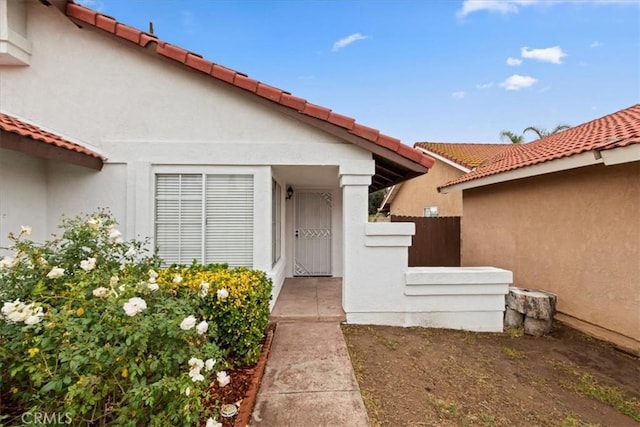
point(208, 218)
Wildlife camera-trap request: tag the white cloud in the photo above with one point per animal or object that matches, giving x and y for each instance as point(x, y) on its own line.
point(513, 62)
point(346, 41)
point(484, 85)
point(596, 44)
point(458, 95)
point(517, 82)
point(500, 6)
point(513, 6)
point(550, 54)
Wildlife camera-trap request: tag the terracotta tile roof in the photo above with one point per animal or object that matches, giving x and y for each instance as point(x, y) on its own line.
point(468, 155)
point(615, 130)
point(14, 125)
point(235, 78)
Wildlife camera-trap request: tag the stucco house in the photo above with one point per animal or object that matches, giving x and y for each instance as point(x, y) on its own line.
point(563, 213)
point(210, 165)
point(420, 196)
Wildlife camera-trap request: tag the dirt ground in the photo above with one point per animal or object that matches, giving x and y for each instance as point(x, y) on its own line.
point(438, 377)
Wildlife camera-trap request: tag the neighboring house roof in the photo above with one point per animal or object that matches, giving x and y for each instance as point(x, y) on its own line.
point(45, 144)
point(467, 155)
point(462, 156)
point(395, 162)
point(590, 140)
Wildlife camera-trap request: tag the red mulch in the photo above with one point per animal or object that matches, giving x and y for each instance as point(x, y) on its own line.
point(243, 388)
point(235, 392)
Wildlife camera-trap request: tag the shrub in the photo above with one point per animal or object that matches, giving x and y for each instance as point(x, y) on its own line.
point(85, 330)
point(235, 300)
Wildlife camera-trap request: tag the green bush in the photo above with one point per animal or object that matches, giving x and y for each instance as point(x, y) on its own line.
point(235, 300)
point(89, 327)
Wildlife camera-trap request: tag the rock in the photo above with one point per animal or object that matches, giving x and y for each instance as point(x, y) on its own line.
point(537, 327)
point(532, 303)
point(513, 318)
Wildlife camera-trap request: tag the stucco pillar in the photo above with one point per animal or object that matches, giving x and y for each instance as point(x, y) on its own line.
point(355, 204)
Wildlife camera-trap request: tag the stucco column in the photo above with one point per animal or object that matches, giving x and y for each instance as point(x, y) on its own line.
point(355, 204)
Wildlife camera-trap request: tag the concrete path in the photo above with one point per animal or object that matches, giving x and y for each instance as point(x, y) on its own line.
point(310, 299)
point(308, 379)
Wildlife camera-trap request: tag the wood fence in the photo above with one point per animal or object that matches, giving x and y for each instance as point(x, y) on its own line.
point(436, 242)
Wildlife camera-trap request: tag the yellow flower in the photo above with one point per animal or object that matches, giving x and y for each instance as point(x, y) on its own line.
point(33, 351)
point(125, 373)
point(80, 311)
point(14, 390)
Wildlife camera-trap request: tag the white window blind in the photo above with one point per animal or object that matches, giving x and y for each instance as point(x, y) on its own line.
point(208, 218)
point(229, 220)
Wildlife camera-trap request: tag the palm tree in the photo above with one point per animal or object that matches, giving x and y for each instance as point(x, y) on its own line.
point(515, 139)
point(542, 132)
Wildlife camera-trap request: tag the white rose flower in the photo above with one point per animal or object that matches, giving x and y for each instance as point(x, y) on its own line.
point(204, 289)
point(35, 317)
point(177, 278)
point(18, 316)
point(94, 223)
point(196, 364)
point(196, 376)
point(202, 327)
point(134, 306)
point(55, 273)
point(153, 274)
point(188, 323)
point(153, 286)
point(209, 364)
point(26, 230)
point(113, 281)
point(222, 293)
point(115, 235)
point(88, 264)
point(10, 307)
point(101, 292)
point(213, 423)
point(223, 378)
point(152, 280)
point(131, 252)
point(187, 392)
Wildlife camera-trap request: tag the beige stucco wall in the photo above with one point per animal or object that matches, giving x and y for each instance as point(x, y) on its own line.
point(420, 192)
point(575, 233)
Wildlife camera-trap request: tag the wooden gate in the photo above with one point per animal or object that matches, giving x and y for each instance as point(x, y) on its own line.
point(436, 242)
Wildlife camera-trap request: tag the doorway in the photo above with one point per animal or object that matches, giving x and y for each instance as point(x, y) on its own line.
point(312, 233)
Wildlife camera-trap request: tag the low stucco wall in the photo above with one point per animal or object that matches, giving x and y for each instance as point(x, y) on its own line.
point(417, 193)
point(388, 292)
point(574, 233)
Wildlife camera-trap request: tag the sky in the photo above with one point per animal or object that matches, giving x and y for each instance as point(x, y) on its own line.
point(423, 70)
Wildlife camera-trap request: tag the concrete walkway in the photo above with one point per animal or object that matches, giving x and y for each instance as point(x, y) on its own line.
point(308, 379)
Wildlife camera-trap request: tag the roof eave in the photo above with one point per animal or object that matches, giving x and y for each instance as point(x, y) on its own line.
point(36, 148)
point(443, 159)
point(608, 157)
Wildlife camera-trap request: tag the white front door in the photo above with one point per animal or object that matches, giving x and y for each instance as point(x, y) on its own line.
point(312, 233)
